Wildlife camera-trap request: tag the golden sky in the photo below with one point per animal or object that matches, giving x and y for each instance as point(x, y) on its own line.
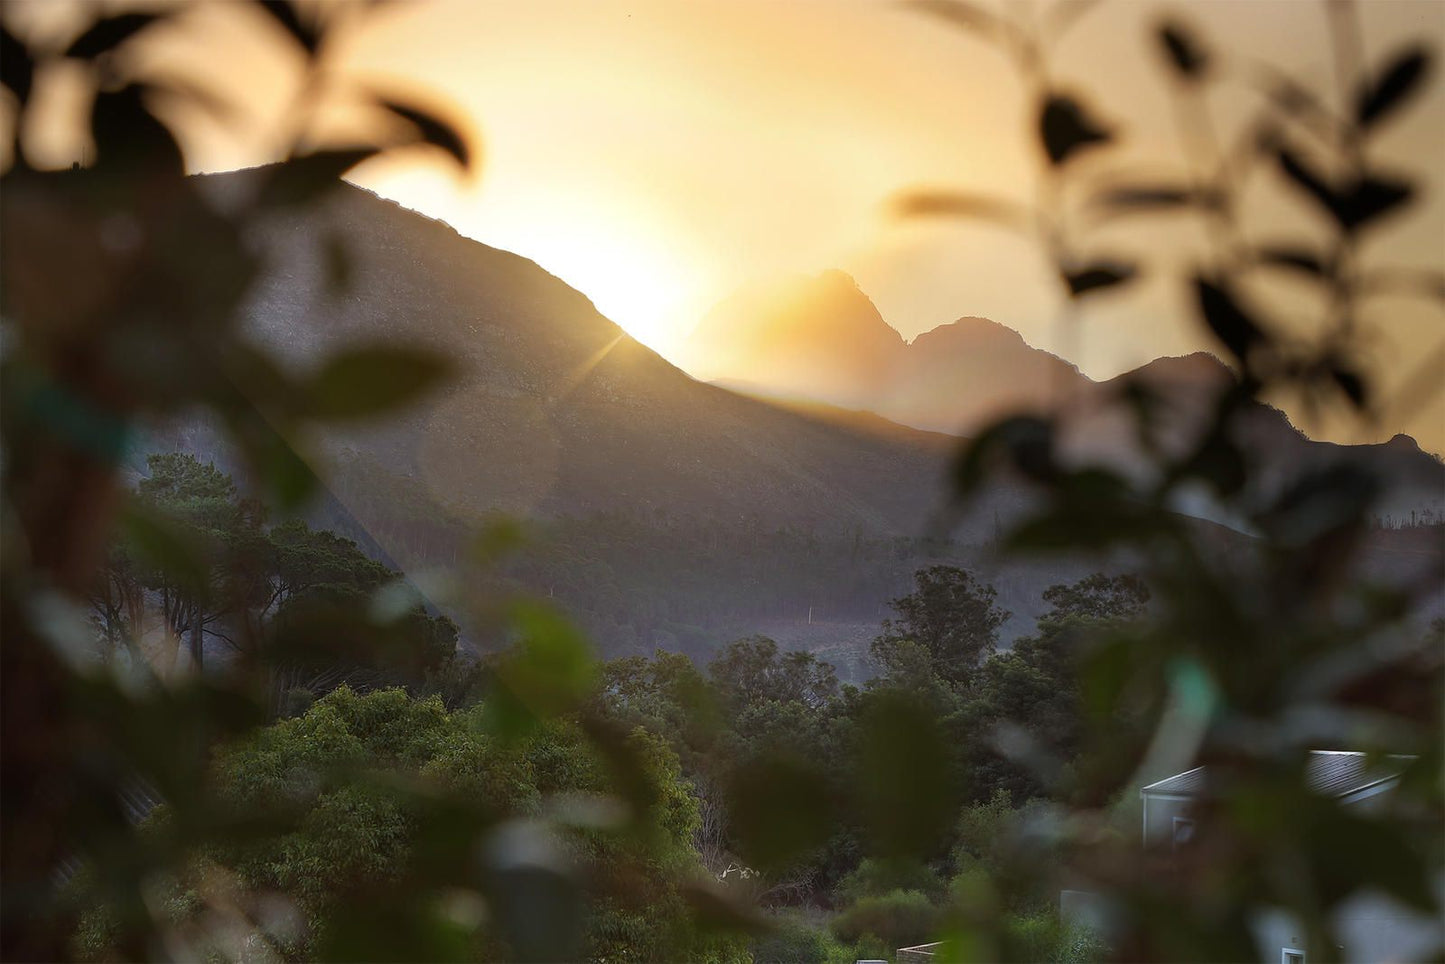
point(658, 154)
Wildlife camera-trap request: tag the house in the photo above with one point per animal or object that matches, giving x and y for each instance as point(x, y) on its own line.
point(1371, 926)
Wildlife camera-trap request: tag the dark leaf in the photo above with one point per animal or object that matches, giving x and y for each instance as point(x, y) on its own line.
point(1351, 383)
point(1025, 441)
point(713, 907)
point(1299, 259)
point(1146, 196)
point(284, 13)
point(374, 379)
point(908, 802)
point(128, 135)
point(433, 130)
point(338, 263)
point(1229, 322)
point(1352, 205)
point(1183, 51)
point(956, 204)
point(108, 33)
point(17, 69)
point(1066, 128)
point(1096, 276)
point(780, 810)
point(968, 16)
point(1401, 78)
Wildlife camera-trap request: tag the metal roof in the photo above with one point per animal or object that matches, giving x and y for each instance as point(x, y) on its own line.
point(1335, 773)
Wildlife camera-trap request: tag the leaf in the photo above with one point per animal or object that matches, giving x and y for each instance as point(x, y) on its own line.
point(127, 134)
point(1188, 58)
point(920, 204)
point(108, 33)
point(1229, 322)
point(284, 14)
point(1146, 196)
point(1026, 440)
point(1065, 128)
point(433, 130)
point(780, 810)
point(373, 379)
point(17, 69)
point(1300, 259)
point(1351, 383)
point(1354, 205)
point(967, 16)
point(1376, 101)
point(302, 180)
point(1103, 274)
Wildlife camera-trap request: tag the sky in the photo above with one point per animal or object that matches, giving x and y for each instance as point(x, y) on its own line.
point(660, 154)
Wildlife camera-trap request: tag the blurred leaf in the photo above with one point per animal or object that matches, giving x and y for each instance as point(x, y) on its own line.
point(283, 12)
point(1061, 17)
point(903, 772)
point(1351, 383)
point(959, 13)
point(1299, 259)
point(1066, 127)
point(128, 135)
point(302, 180)
point(1355, 204)
point(369, 380)
point(1321, 503)
point(715, 908)
point(1183, 51)
point(1377, 100)
point(780, 810)
point(1104, 274)
point(548, 672)
point(1026, 441)
point(337, 260)
point(918, 204)
point(17, 69)
point(433, 130)
point(1229, 322)
point(107, 33)
point(1150, 196)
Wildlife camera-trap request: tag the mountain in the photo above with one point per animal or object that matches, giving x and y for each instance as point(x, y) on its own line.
point(960, 376)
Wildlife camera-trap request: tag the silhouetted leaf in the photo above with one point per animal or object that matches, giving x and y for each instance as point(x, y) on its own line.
point(1353, 205)
point(1025, 441)
point(1183, 51)
point(1351, 383)
point(968, 16)
point(127, 134)
point(1299, 259)
point(1146, 196)
point(903, 765)
point(108, 33)
point(433, 130)
point(1376, 100)
point(957, 204)
point(17, 69)
point(1229, 322)
point(284, 13)
point(1104, 274)
point(780, 810)
point(302, 180)
point(369, 380)
point(1065, 128)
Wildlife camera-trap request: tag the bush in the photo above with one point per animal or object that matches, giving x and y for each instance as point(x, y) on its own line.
point(873, 878)
point(794, 942)
point(899, 918)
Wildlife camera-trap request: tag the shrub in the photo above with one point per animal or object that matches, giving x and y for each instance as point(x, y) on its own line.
point(874, 877)
point(899, 918)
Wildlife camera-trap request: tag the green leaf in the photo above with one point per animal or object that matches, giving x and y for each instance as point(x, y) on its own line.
point(373, 379)
point(1066, 127)
point(780, 810)
point(108, 33)
point(1376, 101)
point(433, 130)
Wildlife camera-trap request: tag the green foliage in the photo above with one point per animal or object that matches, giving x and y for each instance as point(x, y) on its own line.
point(874, 877)
point(899, 918)
point(951, 615)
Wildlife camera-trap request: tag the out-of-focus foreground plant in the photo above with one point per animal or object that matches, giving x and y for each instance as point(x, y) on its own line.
point(122, 291)
point(1249, 661)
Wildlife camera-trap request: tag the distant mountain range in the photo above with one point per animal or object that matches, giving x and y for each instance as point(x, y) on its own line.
point(822, 339)
point(667, 512)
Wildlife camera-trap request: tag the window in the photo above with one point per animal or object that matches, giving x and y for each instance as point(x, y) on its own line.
point(1291, 955)
point(1183, 832)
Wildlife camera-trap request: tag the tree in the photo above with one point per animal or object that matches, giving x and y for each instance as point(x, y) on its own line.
point(951, 615)
point(1099, 597)
point(751, 671)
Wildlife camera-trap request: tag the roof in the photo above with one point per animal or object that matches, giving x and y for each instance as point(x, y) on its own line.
point(1334, 773)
